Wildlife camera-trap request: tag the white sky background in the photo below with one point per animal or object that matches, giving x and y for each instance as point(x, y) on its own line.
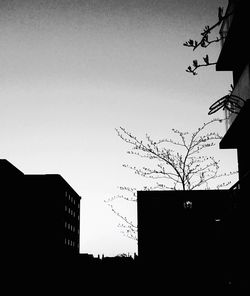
point(73, 71)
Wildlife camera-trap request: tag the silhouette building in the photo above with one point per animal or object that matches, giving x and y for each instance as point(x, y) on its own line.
point(235, 57)
point(56, 216)
point(43, 214)
point(180, 230)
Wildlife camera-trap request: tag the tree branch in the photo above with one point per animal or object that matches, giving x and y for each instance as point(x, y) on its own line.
point(205, 42)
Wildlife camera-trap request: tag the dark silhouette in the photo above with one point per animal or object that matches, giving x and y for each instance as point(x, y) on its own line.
point(44, 216)
point(180, 235)
point(187, 240)
point(40, 235)
point(234, 56)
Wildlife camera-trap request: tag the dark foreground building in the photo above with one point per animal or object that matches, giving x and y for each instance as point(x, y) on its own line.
point(182, 234)
point(40, 216)
point(235, 57)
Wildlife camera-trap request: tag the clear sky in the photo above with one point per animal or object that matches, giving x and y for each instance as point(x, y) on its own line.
point(72, 71)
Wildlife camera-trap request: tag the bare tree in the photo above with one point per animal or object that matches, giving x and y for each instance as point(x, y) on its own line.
point(181, 164)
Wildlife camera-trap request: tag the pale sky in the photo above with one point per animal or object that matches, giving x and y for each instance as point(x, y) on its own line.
point(73, 71)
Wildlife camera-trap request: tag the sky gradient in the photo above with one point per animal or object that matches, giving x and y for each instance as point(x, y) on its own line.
point(73, 71)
